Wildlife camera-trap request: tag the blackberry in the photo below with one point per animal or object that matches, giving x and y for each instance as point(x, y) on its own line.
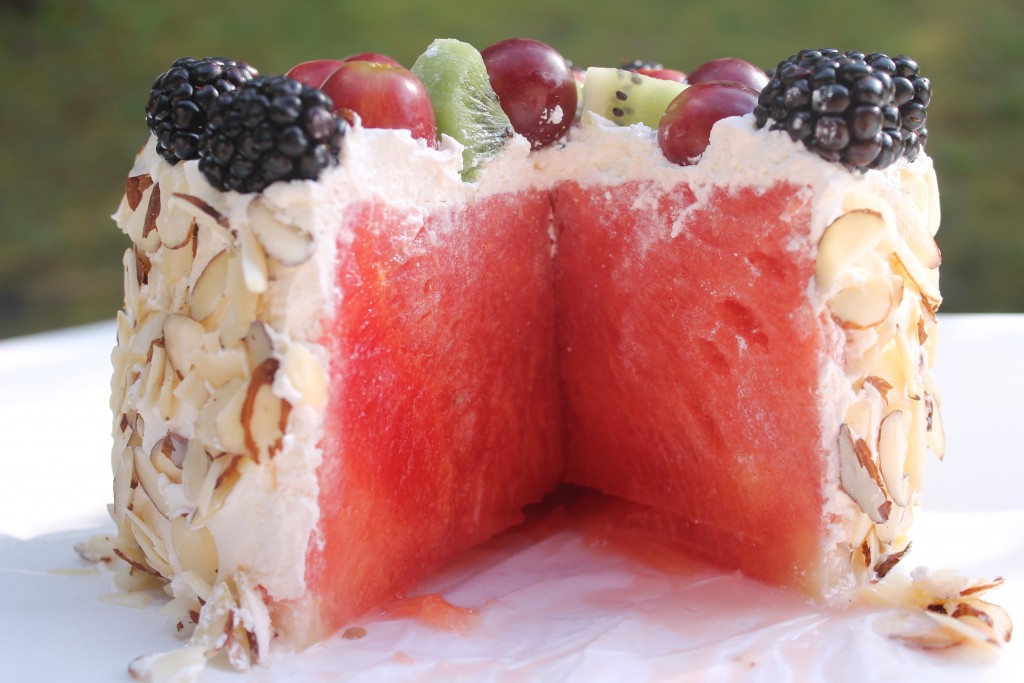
point(269, 129)
point(181, 99)
point(863, 110)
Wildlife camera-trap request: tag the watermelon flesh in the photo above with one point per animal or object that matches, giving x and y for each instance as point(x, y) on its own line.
point(445, 417)
point(472, 373)
point(690, 366)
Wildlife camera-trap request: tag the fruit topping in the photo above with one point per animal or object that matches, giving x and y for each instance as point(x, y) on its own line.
point(180, 102)
point(654, 70)
point(315, 72)
point(865, 111)
point(627, 97)
point(269, 129)
point(465, 105)
point(384, 96)
point(685, 128)
point(535, 86)
point(375, 57)
point(729, 69)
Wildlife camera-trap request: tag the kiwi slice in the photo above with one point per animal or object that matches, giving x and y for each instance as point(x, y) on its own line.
point(626, 97)
point(465, 105)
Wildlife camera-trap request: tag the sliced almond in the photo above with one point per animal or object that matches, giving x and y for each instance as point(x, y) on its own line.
point(195, 469)
point(181, 664)
point(134, 186)
point(124, 468)
point(257, 617)
point(926, 251)
point(166, 402)
point(860, 419)
point(974, 622)
point(149, 479)
point(183, 337)
point(194, 549)
point(196, 585)
point(863, 304)
point(208, 291)
point(892, 457)
point(934, 209)
point(886, 564)
point(203, 212)
point(870, 201)
point(176, 264)
point(859, 477)
point(231, 434)
point(264, 414)
point(156, 366)
point(234, 324)
point(891, 367)
point(143, 265)
point(168, 456)
point(306, 374)
point(258, 343)
point(150, 528)
point(936, 435)
point(254, 262)
point(221, 367)
point(223, 432)
point(880, 385)
point(134, 558)
point(845, 241)
point(176, 231)
point(96, 549)
point(906, 263)
point(148, 329)
point(916, 444)
point(890, 532)
point(220, 479)
point(287, 243)
point(152, 212)
point(190, 395)
point(132, 296)
point(183, 609)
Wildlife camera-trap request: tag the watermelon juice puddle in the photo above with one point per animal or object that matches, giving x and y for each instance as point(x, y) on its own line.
point(583, 557)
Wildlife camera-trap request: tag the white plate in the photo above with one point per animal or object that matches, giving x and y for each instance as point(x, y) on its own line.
point(558, 609)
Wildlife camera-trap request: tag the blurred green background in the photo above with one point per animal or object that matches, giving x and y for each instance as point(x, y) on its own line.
point(76, 76)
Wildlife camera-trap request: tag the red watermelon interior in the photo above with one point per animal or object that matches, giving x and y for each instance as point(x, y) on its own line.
point(666, 355)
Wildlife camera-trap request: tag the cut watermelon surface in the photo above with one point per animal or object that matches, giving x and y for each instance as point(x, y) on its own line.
point(446, 412)
point(691, 362)
point(445, 416)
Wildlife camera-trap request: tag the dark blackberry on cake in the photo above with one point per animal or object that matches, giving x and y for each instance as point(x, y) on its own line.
point(181, 99)
point(863, 110)
point(270, 129)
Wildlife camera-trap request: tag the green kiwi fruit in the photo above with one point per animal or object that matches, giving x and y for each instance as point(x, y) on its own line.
point(626, 97)
point(465, 105)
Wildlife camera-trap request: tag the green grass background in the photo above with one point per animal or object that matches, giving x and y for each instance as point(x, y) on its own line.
point(76, 75)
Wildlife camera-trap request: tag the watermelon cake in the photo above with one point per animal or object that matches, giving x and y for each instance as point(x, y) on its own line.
point(371, 313)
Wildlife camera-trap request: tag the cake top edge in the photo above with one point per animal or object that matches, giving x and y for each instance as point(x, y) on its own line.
point(858, 111)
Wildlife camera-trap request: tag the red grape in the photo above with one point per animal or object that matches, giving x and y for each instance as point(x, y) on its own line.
point(685, 127)
point(535, 86)
point(730, 69)
point(663, 73)
point(314, 73)
point(372, 57)
point(384, 96)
